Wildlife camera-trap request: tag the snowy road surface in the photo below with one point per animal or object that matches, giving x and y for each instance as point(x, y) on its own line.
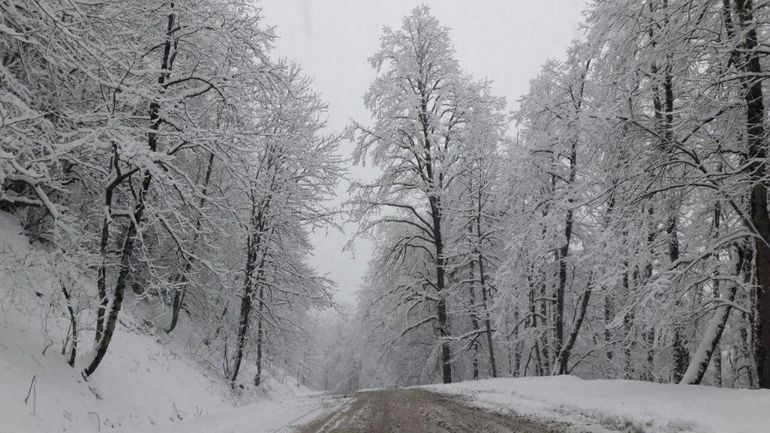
point(412, 411)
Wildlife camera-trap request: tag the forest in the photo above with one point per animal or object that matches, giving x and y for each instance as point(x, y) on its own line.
point(157, 148)
point(615, 226)
point(612, 223)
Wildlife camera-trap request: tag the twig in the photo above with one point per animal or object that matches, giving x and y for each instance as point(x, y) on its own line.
point(31, 384)
point(98, 421)
point(32, 390)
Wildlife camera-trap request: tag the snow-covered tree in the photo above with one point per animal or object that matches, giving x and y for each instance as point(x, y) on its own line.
point(423, 107)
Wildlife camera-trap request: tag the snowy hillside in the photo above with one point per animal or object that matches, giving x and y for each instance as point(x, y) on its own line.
point(622, 405)
point(147, 380)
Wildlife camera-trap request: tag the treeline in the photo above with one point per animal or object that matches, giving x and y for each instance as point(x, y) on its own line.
point(619, 229)
point(157, 148)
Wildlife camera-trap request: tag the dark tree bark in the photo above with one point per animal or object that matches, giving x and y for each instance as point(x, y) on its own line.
point(514, 366)
point(650, 371)
point(436, 180)
point(565, 352)
point(474, 316)
point(561, 257)
point(485, 298)
point(485, 295)
point(628, 319)
point(178, 300)
point(245, 310)
point(608, 317)
point(544, 355)
point(255, 248)
point(73, 325)
point(138, 214)
point(260, 332)
point(101, 282)
point(664, 118)
point(562, 253)
point(750, 65)
point(179, 293)
point(446, 353)
point(533, 316)
point(680, 352)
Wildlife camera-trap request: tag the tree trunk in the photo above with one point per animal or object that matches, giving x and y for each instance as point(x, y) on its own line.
point(179, 294)
point(514, 368)
point(664, 117)
point(443, 321)
point(474, 318)
point(565, 352)
point(488, 329)
point(608, 316)
point(746, 351)
point(563, 252)
point(628, 320)
point(260, 331)
point(246, 305)
point(176, 307)
point(257, 243)
point(73, 325)
point(710, 341)
point(718, 366)
point(485, 298)
point(757, 169)
point(651, 354)
point(101, 281)
point(544, 356)
point(138, 215)
point(485, 294)
point(120, 287)
point(680, 352)
point(534, 325)
point(254, 248)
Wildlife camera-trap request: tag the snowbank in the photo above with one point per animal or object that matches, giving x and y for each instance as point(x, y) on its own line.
point(141, 382)
point(147, 380)
point(269, 416)
point(612, 405)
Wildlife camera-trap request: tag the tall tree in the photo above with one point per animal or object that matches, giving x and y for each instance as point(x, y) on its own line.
point(422, 104)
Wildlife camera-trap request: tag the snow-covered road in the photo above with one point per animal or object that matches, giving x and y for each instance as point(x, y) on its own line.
point(416, 411)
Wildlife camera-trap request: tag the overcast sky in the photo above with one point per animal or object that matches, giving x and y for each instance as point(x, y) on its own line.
point(505, 41)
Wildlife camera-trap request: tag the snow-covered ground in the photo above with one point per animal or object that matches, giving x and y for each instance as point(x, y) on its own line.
point(147, 381)
point(278, 415)
point(620, 405)
point(141, 384)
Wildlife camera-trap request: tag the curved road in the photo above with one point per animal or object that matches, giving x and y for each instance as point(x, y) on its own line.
point(416, 411)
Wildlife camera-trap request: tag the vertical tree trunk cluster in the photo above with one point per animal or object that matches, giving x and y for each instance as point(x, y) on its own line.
point(749, 64)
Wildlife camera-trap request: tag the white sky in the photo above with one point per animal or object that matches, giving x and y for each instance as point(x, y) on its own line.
point(505, 41)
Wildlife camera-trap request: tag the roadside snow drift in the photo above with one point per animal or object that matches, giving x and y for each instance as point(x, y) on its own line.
point(146, 381)
point(269, 416)
point(612, 405)
point(141, 383)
